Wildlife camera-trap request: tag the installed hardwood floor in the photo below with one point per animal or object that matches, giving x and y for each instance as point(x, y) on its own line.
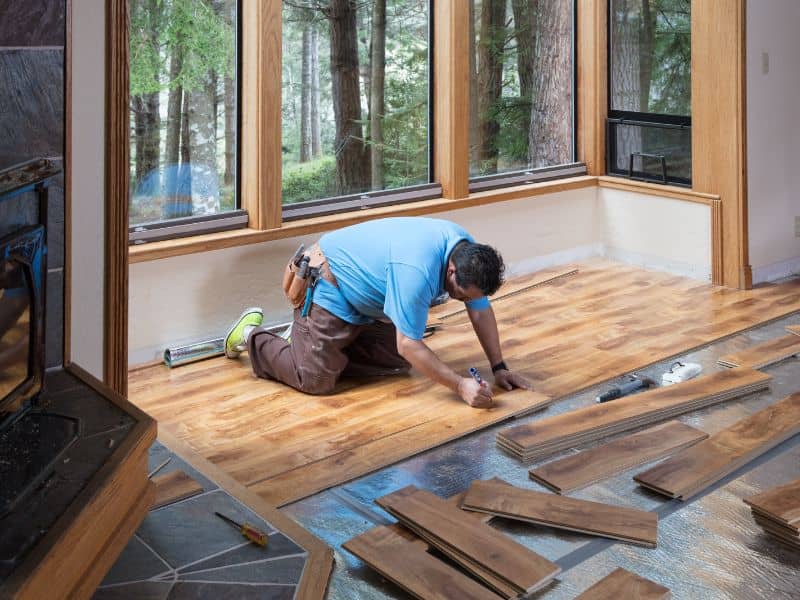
point(565, 335)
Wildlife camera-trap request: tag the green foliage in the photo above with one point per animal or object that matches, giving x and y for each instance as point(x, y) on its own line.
point(309, 181)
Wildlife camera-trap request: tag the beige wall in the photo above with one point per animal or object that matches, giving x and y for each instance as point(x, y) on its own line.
point(87, 193)
point(189, 298)
point(773, 137)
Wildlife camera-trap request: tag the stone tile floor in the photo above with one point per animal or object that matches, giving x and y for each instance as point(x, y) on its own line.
point(183, 551)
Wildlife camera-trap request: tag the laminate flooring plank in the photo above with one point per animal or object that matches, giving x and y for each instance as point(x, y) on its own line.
point(763, 355)
point(174, 486)
point(782, 503)
point(794, 329)
point(598, 420)
point(482, 544)
point(579, 470)
point(543, 508)
point(692, 470)
point(407, 565)
point(624, 584)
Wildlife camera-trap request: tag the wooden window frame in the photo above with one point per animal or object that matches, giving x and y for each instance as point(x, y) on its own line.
point(717, 131)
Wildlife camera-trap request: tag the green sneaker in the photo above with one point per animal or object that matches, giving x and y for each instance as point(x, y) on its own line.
point(234, 339)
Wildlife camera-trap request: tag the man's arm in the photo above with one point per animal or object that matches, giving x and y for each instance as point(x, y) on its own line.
point(425, 361)
point(485, 326)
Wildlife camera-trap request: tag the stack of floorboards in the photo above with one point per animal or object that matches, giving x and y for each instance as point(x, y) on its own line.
point(777, 511)
point(578, 470)
point(624, 584)
point(505, 566)
point(543, 508)
point(554, 434)
point(692, 470)
point(763, 355)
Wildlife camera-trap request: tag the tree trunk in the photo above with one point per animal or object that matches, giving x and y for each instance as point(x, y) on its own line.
point(316, 143)
point(647, 43)
point(376, 95)
point(172, 147)
point(525, 33)
point(203, 148)
point(229, 102)
point(305, 96)
point(473, 89)
point(137, 103)
point(352, 168)
point(490, 80)
point(626, 73)
point(550, 135)
point(151, 146)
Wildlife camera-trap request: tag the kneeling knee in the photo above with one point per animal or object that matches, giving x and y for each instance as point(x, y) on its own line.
point(317, 386)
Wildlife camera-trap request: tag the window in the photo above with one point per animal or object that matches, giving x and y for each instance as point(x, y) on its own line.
point(355, 104)
point(522, 82)
point(184, 95)
point(649, 125)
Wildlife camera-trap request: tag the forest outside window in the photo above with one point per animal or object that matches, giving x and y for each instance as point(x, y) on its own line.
point(355, 105)
point(522, 100)
point(649, 119)
point(184, 94)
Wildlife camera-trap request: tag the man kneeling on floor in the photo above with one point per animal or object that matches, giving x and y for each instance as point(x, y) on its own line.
point(363, 306)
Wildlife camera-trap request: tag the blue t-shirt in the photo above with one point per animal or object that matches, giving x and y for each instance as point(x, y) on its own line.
point(389, 268)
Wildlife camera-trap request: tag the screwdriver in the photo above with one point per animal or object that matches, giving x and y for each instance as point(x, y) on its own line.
point(247, 530)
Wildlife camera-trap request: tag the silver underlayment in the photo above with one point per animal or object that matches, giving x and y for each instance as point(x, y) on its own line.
point(707, 548)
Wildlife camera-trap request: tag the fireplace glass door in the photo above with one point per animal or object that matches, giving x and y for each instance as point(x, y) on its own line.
point(15, 326)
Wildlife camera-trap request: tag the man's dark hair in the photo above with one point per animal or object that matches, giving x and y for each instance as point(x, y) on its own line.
point(479, 265)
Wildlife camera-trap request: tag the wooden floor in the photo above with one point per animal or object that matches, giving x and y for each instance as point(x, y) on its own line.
point(566, 335)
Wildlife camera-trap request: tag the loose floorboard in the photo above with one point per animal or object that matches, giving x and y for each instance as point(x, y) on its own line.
point(174, 486)
point(579, 470)
point(781, 503)
point(624, 584)
point(543, 508)
point(795, 329)
point(565, 335)
point(763, 355)
point(689, 472)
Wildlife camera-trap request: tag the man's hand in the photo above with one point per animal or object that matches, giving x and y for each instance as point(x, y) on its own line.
point(509, 380)
point(477, 395)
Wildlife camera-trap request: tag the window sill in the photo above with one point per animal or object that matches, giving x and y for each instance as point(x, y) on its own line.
point(655, 189)
point(242, 237)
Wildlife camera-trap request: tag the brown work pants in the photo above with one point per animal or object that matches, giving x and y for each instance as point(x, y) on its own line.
point(324, 347)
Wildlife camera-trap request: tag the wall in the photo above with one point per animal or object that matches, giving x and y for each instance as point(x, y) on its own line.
point(195, 297)
point(87, 194)
point(32, 126)
point(773, 138)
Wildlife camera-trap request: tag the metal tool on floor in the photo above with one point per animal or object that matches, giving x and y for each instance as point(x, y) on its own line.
point(680, 372)
point(249, 531)
point(623, 389)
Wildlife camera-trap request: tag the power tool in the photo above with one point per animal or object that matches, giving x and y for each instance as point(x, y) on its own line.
point(680, 372)
point(623, 389)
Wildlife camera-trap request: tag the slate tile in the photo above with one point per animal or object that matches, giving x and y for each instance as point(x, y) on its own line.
point(136, 563)
point(32, 23)
point(54, 327)
point(279, 545)
point(281, 570)
point(145, 590)
point(197, 591)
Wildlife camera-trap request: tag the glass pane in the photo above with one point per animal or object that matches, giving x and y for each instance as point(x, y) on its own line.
point(15, 327)
point(183, 108)
point(521, 85)
point(648, 145)
point(650, 59)
point(355, 97)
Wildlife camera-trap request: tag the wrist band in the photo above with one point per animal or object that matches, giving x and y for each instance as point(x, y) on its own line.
point(501, 366)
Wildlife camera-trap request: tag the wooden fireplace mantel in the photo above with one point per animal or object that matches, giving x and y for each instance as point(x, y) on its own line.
point(72, 558)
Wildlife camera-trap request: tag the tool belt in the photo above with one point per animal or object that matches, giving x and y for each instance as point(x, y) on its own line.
point(302, 274)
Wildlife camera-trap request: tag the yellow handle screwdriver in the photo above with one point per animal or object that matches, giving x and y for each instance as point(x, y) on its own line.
point(251, 533)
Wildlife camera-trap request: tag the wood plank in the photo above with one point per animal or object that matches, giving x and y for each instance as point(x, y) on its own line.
point(781, 503)
point(174, 486)
point(579, 470)
point(694, 469)
point(598, 420)
point(795, 329)
point(543, 508)
point(624, 584)
point(765, 354)
point(447, 529)
point(407, 565)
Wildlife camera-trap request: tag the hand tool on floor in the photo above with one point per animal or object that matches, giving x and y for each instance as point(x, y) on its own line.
point(249, 531)
point(158, 468)
point(623, 389)
point(680, 372)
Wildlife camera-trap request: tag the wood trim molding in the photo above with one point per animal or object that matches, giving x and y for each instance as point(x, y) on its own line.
point(242, 237)
point(592, 68)
point(67, 320)
point(716, 242)
point(319, 564)
point(655, 189)
point(451, 97)
point(115, 339)
point(719, 149)
point(261, 113)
